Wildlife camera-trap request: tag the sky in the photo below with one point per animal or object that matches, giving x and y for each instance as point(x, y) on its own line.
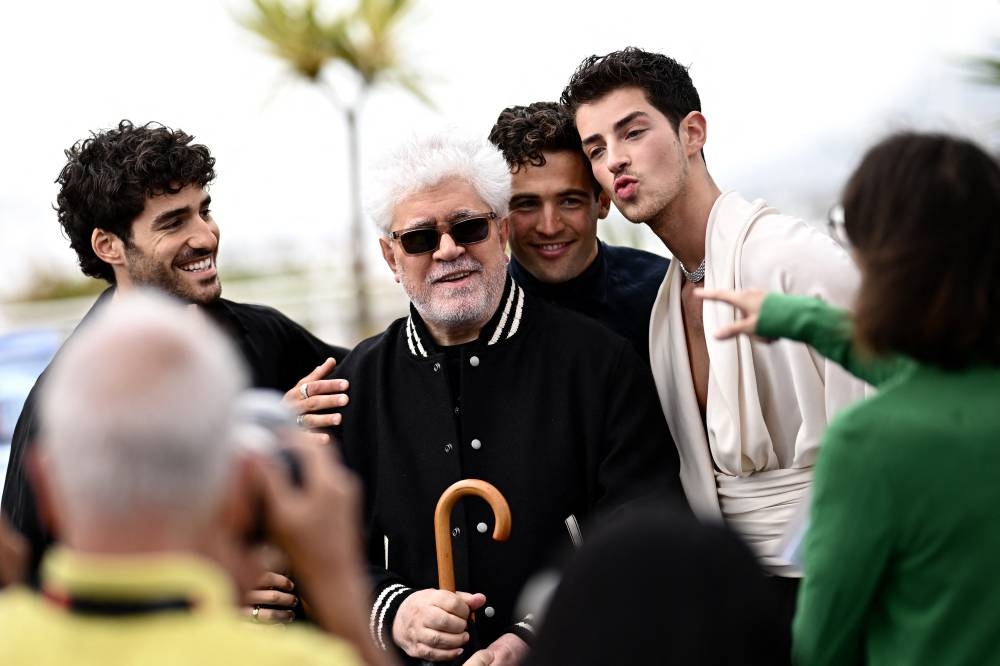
point(793, 93)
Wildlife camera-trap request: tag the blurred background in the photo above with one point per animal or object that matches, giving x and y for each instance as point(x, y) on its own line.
point(296, 99)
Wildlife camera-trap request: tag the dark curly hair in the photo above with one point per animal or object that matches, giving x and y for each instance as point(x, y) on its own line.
point(922, 212)
point(666, 83)
point(524, 133)
point(108, 177)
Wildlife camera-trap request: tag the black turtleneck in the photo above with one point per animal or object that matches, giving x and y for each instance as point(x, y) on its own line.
point(617, 289)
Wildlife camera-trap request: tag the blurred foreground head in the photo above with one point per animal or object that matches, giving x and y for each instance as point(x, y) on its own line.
point(656, 586)
point(922, 213)
point(137, 424)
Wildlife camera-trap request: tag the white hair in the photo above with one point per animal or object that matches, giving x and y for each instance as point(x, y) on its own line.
point(424, 162)
point(137, 412)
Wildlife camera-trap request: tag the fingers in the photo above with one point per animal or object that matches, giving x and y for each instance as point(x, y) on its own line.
point(273, 589)
point(308, 420)
point(320, 395)
point(323, 394)
point(271, 598)
point(742, 327)
point(481, 658)
point(443, 640)
point(274, 580)
point(316, 439)
point(723, 295)
point(321, 371)
point(268, 615)
point(471, 601)
point(431, 624)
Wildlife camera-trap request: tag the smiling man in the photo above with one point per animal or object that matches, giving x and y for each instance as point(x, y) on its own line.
point(134, 205)
point(747, 416)
point(482, 381)
point(554, 208)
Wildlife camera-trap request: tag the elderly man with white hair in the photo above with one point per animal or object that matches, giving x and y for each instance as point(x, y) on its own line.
point(141, 472)
point(482, 381)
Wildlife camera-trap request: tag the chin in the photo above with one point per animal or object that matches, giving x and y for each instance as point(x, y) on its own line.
point(203, 296)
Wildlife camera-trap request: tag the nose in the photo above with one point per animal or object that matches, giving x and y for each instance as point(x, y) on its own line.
point(448, 249)
point(550, 222)
point(205, 235)
point(617, 158)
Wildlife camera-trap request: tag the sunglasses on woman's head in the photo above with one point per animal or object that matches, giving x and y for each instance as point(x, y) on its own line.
point(467, 231)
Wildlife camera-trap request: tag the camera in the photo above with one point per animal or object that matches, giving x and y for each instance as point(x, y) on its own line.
point(266, 426)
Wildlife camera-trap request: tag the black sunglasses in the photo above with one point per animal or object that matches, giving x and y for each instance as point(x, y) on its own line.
point(467, 231)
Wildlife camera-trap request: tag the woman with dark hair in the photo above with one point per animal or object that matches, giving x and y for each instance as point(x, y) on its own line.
point(903, 545)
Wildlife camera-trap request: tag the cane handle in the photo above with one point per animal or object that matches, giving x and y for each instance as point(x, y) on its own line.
point(442, 523)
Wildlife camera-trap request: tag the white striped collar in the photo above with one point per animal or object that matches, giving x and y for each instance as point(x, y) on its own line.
point(504, 324)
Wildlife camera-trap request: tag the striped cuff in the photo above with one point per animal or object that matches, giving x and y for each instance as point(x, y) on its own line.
point(525, 629)
point(383, 613)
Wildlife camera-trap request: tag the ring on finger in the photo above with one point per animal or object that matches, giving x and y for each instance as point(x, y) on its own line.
point(304, 390)
point(255, 613)
point(300, 420)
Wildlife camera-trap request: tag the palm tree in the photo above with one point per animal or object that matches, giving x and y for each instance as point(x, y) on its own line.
point(363, 38)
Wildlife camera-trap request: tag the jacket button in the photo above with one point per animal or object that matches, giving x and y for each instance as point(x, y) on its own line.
point(448, 447)
point(481, 528)
point(489, 612)
point(437, 367)
point(474, 361)
point(455, 531)
point(476, 444)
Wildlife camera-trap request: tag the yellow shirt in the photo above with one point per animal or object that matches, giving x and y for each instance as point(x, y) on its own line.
point(38, 631)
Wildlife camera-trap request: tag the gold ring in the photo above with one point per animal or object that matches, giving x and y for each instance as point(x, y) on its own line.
point(304, 390)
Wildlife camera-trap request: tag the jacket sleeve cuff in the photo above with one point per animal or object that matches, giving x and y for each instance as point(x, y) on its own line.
point(524, 629)
point(388, 598)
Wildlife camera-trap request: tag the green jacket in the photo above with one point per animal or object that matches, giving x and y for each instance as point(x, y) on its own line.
point(903, 546)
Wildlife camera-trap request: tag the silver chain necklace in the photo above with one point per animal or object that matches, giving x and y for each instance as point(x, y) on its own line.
point(694, 276)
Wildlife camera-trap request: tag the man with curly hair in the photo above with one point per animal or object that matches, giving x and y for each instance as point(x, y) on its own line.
point(747, 417)
point(133, 203)
point(554, 208)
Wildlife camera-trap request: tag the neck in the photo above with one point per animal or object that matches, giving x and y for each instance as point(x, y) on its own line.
point(104, 537)
point(683, 224)
point(448, 336)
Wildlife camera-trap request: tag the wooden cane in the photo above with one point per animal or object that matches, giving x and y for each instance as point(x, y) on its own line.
point(442, 523)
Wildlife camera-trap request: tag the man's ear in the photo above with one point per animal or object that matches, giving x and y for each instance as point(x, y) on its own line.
point(603, 205)
point(108, 247)
point(389, 256)
point(46, 504)
point(693, 130)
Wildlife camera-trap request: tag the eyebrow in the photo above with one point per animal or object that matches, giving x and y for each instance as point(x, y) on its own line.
point(169, 215)
point(618, 126)
point(574, 191)
point(526, 196)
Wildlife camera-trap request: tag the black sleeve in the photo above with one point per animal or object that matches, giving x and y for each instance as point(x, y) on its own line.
point(640, 460)
point(18, 503)
point(279, 351)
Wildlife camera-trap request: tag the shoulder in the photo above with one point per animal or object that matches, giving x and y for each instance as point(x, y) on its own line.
point(785, 253)
point(252, 312)
point(638, 263)
point(561, 331)
point(371, 349)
